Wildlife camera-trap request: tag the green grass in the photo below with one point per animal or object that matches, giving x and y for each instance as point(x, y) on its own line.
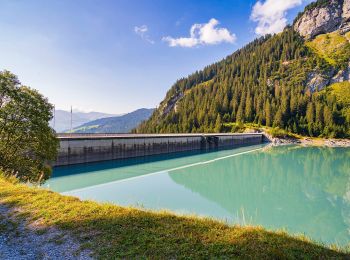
point(333, 47)
point(252, 127)
point(120, 232)
point(281, 133)
point(341, 91)
point(200, 85)
point(347, 36)
point(240, 127)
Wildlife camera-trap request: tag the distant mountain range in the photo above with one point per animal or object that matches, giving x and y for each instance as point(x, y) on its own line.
point(115, 124)
point(62, 120)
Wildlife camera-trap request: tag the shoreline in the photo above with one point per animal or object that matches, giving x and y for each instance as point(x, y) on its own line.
point(307, 141)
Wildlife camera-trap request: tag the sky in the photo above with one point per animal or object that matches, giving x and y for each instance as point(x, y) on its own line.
point(116, 56)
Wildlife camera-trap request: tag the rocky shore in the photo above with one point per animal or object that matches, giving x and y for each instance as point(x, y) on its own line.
point(308, 141)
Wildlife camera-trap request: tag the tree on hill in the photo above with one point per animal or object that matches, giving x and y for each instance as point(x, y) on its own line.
point(27, 143)
point(262, 83)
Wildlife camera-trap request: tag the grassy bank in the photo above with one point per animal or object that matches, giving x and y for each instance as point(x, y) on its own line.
point(252, 127)
point(119, 232)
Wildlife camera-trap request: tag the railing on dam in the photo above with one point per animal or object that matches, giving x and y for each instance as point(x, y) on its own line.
point(84, 148)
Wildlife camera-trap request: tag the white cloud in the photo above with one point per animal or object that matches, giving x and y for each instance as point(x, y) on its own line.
point(203, 34)
point(271, 15)
point(142, 32)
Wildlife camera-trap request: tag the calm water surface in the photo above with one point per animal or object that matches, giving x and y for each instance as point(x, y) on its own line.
point(305, 190)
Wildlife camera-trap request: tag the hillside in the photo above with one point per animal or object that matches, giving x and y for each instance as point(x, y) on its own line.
point(116, 124)
point(62, 119)
point(280, 81)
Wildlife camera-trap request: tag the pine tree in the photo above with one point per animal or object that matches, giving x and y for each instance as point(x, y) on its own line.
point(268, 116)
point(218, 124)
point(254, 85)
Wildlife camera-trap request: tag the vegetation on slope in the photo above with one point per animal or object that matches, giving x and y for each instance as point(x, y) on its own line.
point(341, 93)
point(263, 83)
point(333, 47)
point(119, 232)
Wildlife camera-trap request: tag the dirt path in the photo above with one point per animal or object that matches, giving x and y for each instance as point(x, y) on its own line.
point(20, 239)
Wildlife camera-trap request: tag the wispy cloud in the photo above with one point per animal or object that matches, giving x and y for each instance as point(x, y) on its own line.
point(271, 15)
point(142, 32)
point(203, 34)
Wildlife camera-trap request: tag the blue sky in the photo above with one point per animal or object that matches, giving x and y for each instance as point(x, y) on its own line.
point(119, 55)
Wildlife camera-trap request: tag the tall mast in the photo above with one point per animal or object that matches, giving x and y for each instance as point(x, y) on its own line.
point(54, 116)
point(71, 119)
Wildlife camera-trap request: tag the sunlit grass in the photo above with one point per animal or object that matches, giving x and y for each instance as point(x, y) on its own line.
point(253, 127)
point(342, 92)
point(333, 47)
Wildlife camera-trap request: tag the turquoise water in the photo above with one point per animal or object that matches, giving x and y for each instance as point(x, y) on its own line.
point(304, 190)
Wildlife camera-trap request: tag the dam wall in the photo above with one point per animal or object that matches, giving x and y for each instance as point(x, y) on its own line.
point(85, 148)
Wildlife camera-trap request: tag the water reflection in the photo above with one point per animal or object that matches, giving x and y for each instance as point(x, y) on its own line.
point(305, 190)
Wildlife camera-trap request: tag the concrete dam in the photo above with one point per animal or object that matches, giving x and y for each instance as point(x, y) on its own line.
point(85, 148)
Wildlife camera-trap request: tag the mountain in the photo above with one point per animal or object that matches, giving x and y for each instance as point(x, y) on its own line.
point(62, 121)
point(116, 124)
point(297, 80)
point(323, 17)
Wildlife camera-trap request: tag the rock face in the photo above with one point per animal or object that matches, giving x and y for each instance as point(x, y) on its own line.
point(345, 27)
point(316, 81)
point(346, 10)
point(341, 76)
point(171, 104)
point(324, 19)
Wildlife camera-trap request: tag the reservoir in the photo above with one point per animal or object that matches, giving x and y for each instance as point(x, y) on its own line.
point(303, 190)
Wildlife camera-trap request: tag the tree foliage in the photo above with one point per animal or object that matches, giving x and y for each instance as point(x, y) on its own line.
point(27, 143)
point(262, 83)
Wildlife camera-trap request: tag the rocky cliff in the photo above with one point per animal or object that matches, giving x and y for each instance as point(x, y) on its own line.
point(324, 25)
point(324, 17)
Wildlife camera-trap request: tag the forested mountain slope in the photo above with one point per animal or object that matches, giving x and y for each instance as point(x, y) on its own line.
point(286, 80)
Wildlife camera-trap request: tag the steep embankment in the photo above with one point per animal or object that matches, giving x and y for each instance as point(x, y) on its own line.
point(117, 232)
point(278, 81)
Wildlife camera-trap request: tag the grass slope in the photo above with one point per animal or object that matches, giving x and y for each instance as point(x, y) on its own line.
point(119, 232)
point(341, 91)
point(333, 47)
